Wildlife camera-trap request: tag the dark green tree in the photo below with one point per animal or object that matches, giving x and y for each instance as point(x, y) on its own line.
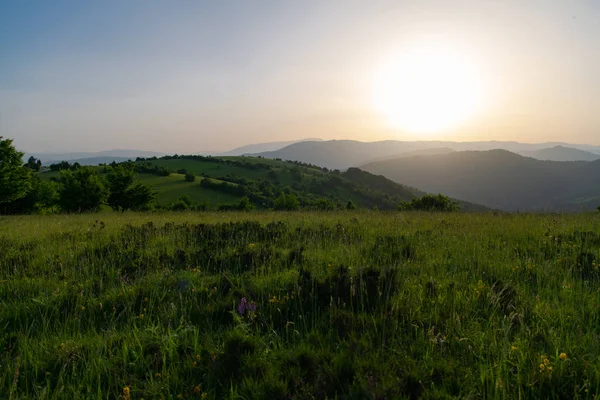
point(124, 195)
point(15, 181)
point(82, 190)
point(286, 202)
point(350, 205)
point(138, 197)
point(245, 205)
point(190, 177)
point(34, 164)
point(119, 178)
point(432, 203)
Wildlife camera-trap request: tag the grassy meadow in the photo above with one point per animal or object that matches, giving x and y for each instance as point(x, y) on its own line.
point(340, 305)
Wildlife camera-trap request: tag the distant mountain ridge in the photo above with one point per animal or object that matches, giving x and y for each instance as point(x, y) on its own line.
point(562, 153)
point(263, 147)
point(342, 154)
point(116, 155)
point(499, 179)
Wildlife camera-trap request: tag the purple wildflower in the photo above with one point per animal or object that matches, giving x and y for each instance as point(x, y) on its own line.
point(252, 307)
point(242, 306)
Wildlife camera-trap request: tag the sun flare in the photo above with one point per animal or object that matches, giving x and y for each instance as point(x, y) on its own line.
point(427, 90)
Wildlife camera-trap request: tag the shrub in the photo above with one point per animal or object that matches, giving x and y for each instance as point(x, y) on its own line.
point(190, 177)
point(428, 202)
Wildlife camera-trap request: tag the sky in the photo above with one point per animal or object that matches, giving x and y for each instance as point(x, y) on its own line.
point(197, 76)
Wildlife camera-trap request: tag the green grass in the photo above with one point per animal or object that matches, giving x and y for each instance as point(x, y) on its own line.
point(360, 305)
point(170, 188)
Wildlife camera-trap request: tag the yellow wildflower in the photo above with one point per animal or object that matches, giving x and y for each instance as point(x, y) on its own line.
point(196, 389)
point(204, 395)
point(563, 356)
point(141, 316)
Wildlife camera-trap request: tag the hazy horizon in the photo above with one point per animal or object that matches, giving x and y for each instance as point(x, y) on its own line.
point(208, 77)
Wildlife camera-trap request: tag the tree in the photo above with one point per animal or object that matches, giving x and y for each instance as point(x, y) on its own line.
point(245, 205)
point(82, 190)
point(350, 205)
point(34, 164)
point(123, 196)
point(286, 202)
point(190, 177)
point(15, 181)
point(119, 178)
point(432, 203)
point(138, 197)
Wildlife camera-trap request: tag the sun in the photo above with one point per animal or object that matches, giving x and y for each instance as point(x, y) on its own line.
point(427, 90)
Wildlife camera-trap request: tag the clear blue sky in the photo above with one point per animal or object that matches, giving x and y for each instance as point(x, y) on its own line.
point(188, 76)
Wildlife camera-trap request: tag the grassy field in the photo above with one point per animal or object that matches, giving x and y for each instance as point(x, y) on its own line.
point(349, 305)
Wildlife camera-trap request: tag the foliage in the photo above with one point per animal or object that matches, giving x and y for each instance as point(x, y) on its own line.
point(190, 177)
point(15, 181)
point(433, 203)
point(286, 202)
point(82, 190)
point(34, 164)
point(350, 205)
point(245, 204)
point(124, 195)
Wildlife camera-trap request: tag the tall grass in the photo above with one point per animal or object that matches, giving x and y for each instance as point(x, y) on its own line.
point(361, 305)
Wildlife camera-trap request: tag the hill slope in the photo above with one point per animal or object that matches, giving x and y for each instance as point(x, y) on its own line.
point(500, 179)
point(263, 180)
point(562, 153)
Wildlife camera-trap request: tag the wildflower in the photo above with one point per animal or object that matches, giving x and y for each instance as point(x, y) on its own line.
point(197, 356)
point(204, 395)
point(241, 308)
point(194, 364)
point(141, 316)
point(550, 369)
point(563, 356)
point(196, 389)
point(542, 366)
point(251, 245)
point(157, 375)
point(82, 308)
point(145, 299)
point(514, 348)
point(126, 393)
point(273, 300)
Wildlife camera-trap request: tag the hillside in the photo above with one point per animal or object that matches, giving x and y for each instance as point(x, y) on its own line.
point(562, 153)
point(342, 154)
point(262, 147)
point(262, 181)
point(500, 179)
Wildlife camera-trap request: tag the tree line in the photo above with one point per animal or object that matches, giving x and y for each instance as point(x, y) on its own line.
point(77, 189)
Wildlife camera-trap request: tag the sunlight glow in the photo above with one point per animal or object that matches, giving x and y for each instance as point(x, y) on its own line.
point(427, 90)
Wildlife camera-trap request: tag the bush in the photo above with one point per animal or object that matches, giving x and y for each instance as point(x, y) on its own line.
point(286, 202)
point(437, 203)
point(190, 177)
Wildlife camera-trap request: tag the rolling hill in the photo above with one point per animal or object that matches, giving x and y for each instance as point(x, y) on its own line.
point(342, 154)
point(262, 147)
point(221, 182)
point(562, 153)
point(500, 179)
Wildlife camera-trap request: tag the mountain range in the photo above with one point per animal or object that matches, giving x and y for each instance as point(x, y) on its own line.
point(342, 154)
point(499, 179)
